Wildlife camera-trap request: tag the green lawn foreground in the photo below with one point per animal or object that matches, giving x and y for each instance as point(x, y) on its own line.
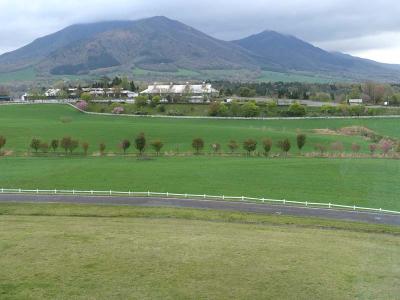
point(51, 251)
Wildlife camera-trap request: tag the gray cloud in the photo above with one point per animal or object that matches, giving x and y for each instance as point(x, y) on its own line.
point(351, 26)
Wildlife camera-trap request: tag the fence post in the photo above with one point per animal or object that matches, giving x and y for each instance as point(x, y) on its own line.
point(306, 203)
point(129, 193)
point(354, 208)
point(167, 194)
point(242, 198)
point(20, 191)
point(223, 197)
point(73, 192)
point(2, 190)
point(204, 196)
point(37, 191)
point(91, 192)
point(148, 193)
point(263, 200)
point(110, 192)
point(330, 205)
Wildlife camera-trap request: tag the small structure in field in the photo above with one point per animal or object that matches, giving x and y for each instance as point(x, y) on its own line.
point(356, 101)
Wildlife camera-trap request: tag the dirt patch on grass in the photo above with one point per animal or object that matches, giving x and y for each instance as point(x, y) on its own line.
point(357, 131)
point(325, 131)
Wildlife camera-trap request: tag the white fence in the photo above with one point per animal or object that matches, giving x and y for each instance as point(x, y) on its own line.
point(112, 193)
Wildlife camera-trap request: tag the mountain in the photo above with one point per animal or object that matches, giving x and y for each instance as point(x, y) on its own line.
point(160, 44)
point(293, 54)
point(156, 43)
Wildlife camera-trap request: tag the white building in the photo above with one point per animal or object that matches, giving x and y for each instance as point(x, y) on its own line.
point(52, 93)
point(356, 101)
point(195, 93)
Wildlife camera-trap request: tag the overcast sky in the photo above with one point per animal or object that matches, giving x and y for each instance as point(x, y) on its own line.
point(368, 29)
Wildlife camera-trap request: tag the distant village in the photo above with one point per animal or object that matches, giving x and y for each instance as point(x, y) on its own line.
point(192, 93)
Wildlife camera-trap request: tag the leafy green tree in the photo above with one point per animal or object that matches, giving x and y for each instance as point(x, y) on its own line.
point(284, 145)
point(141, 101)
point(198, 144)
point(250, 145)
point(85, 147)
point(297, 110)
point(217, 109)
point(86, 97)
point(246, 92)
point(155, 101)
point(157, 146)
point(250, 110)
point(267, 145)
point(125, 144)
point(44, 147)
point(2, 141)
point(140, 143)
point(301, 140)
point(67, 144)
point(102, 148)
point(235, 109)
point(233, 146)
point(320, 148)
point(35, 144)
point(54, 145)
point(74, 145)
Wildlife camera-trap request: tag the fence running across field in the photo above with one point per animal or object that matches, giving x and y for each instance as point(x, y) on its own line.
point(192, 196)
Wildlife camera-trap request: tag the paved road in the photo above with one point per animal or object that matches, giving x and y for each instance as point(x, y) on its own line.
point(376, 218)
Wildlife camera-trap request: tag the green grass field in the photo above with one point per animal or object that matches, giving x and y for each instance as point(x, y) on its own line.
point(364, 182)
point(22, 123)
point(292, 77)
point(368, 183)
point(103, 252)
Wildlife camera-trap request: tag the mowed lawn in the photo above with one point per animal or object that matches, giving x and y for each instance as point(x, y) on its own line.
point(364, 182)
point(19, 124)
point(125, 257)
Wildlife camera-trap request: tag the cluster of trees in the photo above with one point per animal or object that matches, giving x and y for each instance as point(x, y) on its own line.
point(385, 146)
point(117, 82)
point(69, 145)
point(370, 92)
point(268, 109)
point(251, 109)
point(250, 145)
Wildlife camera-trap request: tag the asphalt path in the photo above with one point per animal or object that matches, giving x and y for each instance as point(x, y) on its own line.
point(272, 209)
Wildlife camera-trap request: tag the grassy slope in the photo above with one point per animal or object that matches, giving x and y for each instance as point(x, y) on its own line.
point(21, 123)
point(151, 258)
point(370, 183)
point(28, 74)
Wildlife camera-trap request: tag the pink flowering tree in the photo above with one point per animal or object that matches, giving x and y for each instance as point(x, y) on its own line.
point(386, 146)
point(118, 110)
point(82, 105)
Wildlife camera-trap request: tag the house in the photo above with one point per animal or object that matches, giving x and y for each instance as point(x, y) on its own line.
point(52, 93)
point(194, 93)
point(355, 101)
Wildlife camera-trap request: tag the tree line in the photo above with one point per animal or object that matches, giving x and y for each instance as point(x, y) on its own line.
point(250, 145)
